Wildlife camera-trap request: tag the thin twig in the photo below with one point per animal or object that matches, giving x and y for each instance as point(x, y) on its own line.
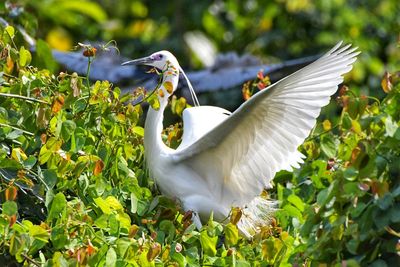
point(25, 98)
point(31, 260)
point(16, 128)
point(324, 132)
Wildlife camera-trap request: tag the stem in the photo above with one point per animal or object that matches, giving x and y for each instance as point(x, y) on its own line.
point(31, 260)
point(88, 81)
point(16, 128)
point(152, 92)
point(145, 98)
point(324, 132)
point(25, 98)
point(87, 73)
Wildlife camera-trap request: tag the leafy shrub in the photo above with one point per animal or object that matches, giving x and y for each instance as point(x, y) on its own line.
point(74, 189)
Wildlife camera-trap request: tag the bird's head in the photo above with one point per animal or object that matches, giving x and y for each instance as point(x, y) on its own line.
point(166, 62)
point(160, 60)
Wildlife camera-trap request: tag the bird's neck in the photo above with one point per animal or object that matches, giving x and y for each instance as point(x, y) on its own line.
point(154, 121)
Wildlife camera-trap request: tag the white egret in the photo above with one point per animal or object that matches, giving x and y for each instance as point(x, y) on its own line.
point(226, 159)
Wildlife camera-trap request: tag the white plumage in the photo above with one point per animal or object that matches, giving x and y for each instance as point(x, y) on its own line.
point(225, 160)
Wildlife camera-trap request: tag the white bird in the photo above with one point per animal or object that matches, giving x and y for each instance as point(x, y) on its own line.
point(227, 159)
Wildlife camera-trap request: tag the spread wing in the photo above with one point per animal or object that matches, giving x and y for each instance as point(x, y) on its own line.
point(240, 156)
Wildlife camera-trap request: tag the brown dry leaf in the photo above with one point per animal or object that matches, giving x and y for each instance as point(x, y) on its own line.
point(90, 250)
point(13, 219)
point(133, 230)
point(9, 64)
point(154, 251)
point(236, 215)
point(11, 193)
point(98, 167)
point(379, 188)
point(343, 90)
point(76, 91)
point(354, 154)
point(57, 104)
point(246, 91)
point(42, 118)
point(43, 138)
point(161, 93)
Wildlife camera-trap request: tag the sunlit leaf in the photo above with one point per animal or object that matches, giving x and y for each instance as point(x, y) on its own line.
point(25, 57)
point(39, 233)
point(168, 86)
point(208, 243)
point(386, 82)
point(326, 124)
point(10, 31)
point(231, 234)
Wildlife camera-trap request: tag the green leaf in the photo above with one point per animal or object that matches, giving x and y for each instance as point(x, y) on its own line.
point(390, 126)
point(10, 208)
point(67, 129)
point(58, 260)
point(385, 202)
point(59, 236)
point(44, 57)
point(208, 243)
point(89, 8)
point(293, 211)
point(111, 258)
point(329, 145)
point(39, 233)
point(169, 228)
point(25, 57)
point(350, 173)
point(58, 206)
point(231, 234)
point(30, 162)
point(10, 31)
point(134, 203)
point(153, 101)
point(50, 178)
point(296, 201)
point(108, 205)
point(138, 130)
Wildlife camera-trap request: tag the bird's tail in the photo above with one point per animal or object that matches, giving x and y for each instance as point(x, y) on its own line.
point(256, 214)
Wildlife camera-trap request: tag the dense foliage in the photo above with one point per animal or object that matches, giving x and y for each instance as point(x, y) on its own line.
point(74, 189)
point(283, 28)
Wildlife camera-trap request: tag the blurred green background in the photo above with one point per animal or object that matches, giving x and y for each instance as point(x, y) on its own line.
point(268, 29)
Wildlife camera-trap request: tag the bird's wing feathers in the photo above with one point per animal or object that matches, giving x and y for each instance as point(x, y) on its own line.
point(243, 153)
point(198, 121)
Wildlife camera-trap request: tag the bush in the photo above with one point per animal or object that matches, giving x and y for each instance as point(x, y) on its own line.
point(75, 190)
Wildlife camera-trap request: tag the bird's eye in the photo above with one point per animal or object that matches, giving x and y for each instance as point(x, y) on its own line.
point(158, 57)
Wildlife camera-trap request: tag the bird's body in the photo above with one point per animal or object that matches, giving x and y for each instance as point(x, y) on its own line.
point(226, 160)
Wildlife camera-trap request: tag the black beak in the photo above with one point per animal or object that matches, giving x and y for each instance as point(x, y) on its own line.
point(139, 61)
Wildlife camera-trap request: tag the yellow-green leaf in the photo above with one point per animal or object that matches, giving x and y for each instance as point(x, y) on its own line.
point(231, 234)
point(208, 243)
point(39, 233)
point(25, 57)
point(10, 31)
